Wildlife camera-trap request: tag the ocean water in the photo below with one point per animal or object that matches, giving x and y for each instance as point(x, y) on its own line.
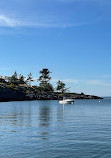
point(46, 129)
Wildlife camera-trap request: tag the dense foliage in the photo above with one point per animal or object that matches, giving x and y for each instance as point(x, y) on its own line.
point(43, 80)
point(61, 87)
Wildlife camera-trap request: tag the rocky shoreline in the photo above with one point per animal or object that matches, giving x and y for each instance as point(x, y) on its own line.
point(22, 93)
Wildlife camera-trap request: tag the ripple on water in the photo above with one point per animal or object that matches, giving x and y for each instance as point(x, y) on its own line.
point(40, 129)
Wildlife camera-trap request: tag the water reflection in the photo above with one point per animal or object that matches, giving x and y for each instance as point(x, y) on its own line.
point(47, 129)
point(60, 113)
point(16, 115)
point(44, 116)
point(44, 119)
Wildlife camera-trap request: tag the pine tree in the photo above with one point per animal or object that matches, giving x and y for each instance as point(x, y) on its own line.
point(44, 80)
point(29, 79)
point(61, 87)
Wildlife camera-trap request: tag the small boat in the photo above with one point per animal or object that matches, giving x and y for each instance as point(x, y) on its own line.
point(66, 101)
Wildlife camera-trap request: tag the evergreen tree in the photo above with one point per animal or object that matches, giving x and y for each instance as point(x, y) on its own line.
point(15, 75)
point(44, 80)
point(2, 80)
point(14, 78)
point(29, 79)
point(61, 87)
point(21, 79)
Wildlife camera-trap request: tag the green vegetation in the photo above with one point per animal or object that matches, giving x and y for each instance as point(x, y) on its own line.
point(43, 81)
point(29, 79)
point(20, 88)
point(61, 87)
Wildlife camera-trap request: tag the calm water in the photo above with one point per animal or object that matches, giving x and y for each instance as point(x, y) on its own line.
point(45, 129)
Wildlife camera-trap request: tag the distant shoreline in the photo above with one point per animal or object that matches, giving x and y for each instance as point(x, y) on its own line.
point(27, 93)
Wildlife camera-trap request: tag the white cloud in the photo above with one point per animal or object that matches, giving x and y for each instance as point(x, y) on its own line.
point(96, 82)
point(74, 81)
point(9, 22)
point(40, 17)
point(6, 21)
point(107, 76)
point(84, 82)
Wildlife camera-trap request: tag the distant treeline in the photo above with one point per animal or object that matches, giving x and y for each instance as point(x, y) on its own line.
point(43, 80)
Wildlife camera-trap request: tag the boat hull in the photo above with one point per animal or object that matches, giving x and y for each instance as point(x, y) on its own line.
point(66, 102)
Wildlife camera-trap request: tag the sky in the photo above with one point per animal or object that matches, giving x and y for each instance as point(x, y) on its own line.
point(72, 38)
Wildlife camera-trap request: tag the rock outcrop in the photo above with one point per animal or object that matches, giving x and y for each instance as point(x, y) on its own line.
point(22, 93)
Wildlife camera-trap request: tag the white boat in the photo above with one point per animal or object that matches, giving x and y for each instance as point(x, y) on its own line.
point(66, 101)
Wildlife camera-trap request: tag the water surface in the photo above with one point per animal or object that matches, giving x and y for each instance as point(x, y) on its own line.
point(45, 129)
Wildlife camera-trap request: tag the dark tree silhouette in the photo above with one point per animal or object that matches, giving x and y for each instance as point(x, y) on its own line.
point(44, 80)
point(61, 87)
point(29, 79)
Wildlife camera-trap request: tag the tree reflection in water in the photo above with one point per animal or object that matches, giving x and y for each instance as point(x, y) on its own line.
point(45, 118)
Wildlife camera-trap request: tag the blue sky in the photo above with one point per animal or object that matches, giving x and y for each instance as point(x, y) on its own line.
point(70, 37)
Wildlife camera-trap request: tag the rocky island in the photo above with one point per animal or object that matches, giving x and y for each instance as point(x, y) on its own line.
point(16, 88)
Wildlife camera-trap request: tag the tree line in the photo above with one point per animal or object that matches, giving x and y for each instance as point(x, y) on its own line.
point(43, 80)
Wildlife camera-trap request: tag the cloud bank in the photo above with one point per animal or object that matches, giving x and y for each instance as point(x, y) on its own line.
point(46, 14)
point(85, 82)
point(6, 21)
